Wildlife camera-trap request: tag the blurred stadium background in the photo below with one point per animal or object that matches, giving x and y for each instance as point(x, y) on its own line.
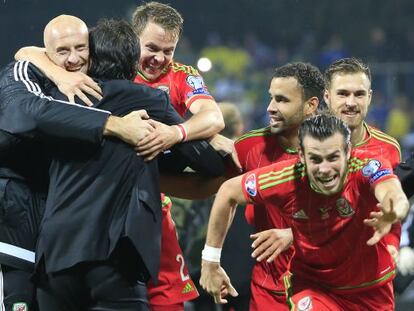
point(246, 39)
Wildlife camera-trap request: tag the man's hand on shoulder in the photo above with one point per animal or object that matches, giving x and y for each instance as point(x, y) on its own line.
point(77, 84)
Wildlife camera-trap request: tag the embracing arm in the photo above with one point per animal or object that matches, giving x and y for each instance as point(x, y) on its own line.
point(26, 110)
point(69, 83)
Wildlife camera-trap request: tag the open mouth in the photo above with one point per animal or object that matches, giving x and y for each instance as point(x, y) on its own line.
point(328, 182)
point(350, 113)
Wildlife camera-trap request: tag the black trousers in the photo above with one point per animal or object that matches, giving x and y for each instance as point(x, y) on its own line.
point(17, 289)
point(97, 286)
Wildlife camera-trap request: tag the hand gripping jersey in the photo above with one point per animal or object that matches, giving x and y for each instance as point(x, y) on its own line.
point(329, 233)
point(174, 282)
point(183, 84)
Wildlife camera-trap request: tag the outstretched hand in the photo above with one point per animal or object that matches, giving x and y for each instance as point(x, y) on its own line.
point(382, 220)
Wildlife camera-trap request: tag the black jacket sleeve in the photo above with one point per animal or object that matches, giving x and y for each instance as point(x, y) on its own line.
point(26, 110)
point(405, 172)
point(196, 154)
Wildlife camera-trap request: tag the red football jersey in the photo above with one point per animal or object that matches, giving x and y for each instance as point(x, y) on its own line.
point(384, 146)
point(329, 233)
point(183, 84)
point(259, 148)
point(174, 282)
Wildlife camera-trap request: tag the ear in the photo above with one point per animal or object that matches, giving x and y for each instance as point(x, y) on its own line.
point(348, 153)
point(326, 96)
point(310, 107)
point(301, 155)
point(369, 96)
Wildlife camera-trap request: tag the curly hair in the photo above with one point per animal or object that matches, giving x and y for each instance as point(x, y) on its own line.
point(308, 76)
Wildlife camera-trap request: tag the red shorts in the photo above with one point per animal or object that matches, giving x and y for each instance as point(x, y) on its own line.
point(380, 298)
point(174, 282)
point(173, 307)
point(263, 299)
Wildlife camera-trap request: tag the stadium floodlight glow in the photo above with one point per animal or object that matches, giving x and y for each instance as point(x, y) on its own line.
point(204, 64)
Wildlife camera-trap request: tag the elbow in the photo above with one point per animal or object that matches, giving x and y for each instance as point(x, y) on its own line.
point(217, 123)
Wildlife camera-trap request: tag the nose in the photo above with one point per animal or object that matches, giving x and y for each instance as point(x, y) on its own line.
point(271, 108)
point(159, 57)
point(73, 57)
point(324, 167)
point(350, 100)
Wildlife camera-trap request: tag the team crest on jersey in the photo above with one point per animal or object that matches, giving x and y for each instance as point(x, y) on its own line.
point(250, 185)
point(305, 304)
point(371, 168)
point(344, 208)
point(20, 306)
point(164, 88)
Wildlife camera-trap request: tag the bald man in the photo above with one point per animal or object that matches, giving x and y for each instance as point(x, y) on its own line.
point(66, 40)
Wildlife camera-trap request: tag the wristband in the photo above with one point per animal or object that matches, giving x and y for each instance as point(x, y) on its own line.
point(212, 254)
point(183, 132)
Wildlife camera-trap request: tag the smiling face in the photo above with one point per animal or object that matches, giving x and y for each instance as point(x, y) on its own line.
point(326, 162)
point(67, 43)
point(348, 97)
point(157, 50)
point(286, 107)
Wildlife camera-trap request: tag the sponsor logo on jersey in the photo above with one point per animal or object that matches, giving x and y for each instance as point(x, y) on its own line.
point(250, 185)
point(379, 175)
point(371, 168)
point(164, 88)
point(187, 288)
point(300, 215)
point(20, 306)
point(344, 208)
point(305, 304)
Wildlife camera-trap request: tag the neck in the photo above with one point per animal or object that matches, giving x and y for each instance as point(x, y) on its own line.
point(289, 140)
point(358, 134)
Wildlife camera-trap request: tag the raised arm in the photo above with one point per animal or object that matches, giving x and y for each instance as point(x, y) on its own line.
point(69, 83)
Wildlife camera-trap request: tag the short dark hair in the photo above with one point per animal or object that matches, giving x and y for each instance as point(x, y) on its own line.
point(113, 50)
point(345, 66)
point(323, 126)
point(161, 14)
point(308, 76)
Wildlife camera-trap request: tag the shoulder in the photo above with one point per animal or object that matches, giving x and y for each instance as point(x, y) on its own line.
point(132, 88)
point(280, 173)
point(253, 135)
point(383, 139)
point(186, 70)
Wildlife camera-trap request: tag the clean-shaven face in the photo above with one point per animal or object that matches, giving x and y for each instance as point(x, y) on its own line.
point(326, 163)
point(157, 50)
